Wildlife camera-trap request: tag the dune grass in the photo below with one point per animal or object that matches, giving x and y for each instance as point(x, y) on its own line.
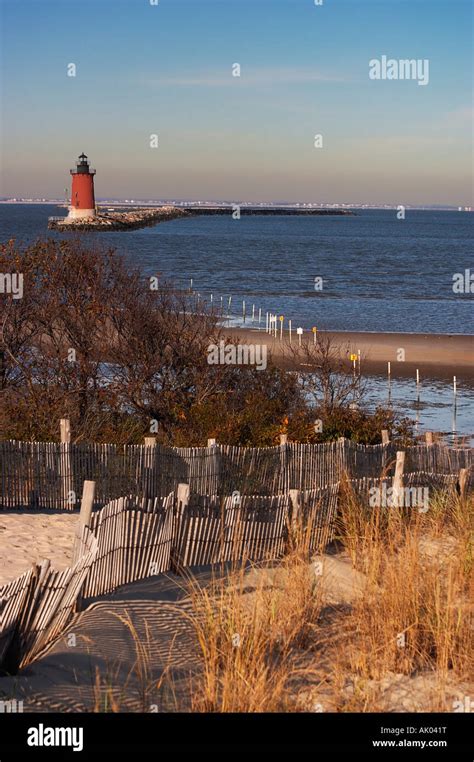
point(260, 650)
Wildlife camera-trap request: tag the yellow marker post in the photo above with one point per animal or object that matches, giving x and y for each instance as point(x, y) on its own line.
point(315, 330)
point(282, 317)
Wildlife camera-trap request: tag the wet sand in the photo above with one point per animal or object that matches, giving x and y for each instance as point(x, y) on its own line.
point(435, 355)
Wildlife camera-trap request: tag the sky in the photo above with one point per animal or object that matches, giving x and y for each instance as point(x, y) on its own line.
point(167, 70)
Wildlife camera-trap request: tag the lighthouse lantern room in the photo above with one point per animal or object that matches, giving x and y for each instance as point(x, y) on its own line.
point(82, 191)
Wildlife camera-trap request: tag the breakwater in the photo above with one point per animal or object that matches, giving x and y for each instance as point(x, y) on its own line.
point(139, 218)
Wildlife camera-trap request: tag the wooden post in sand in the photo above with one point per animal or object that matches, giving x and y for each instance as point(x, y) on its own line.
point(385, 437)
point(212, 478)
point(182, 495)
point(149, 459)
point(398, 478)
point(87, 502)
point(295, 500)
point(67, 498)
point(284, 476)
point(462, 480)
point(180, 542)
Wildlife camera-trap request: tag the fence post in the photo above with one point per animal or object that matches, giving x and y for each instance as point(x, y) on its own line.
point(65, 462)
point(398, 478)
point(429, 437)
point(87, 502)
point(182, 496)
point(178, 539)
point(462, 481)
point(343, 459)
point(285, 480)
point(295, 520)
point(385, 437)
point(150, 444)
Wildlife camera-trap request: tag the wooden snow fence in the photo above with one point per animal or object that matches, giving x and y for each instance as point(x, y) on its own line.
point(134, 540)
point(319, 511)
point(49, 475)
point(376, 492)
point(36, 607)
point(217, 529)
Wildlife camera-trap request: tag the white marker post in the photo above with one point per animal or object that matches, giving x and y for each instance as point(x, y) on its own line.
point(243, 310)
point(266, 322)
point(299, 331)
point(455, 390)
point(259, 316)
point(253, 312)
point(289, 329)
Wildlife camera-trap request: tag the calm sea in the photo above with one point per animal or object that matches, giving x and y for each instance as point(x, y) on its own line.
point(378, 274)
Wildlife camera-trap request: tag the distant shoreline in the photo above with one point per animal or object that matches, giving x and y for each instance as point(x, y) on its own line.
point(302, 205)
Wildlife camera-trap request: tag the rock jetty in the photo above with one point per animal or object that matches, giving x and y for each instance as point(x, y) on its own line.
point(139, 218)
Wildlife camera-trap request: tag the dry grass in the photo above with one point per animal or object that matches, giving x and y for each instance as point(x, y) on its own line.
point(413, 618)
point(248, 634)
point(267, 640)
point(415, 615)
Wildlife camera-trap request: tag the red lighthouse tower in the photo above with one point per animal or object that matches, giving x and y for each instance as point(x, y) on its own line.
point(82, 192)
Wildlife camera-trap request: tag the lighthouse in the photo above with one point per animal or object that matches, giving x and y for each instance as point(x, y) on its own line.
point(82, 192)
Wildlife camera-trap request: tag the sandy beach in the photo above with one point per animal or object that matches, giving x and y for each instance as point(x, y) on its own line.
point(436, 355)
point(27, 537)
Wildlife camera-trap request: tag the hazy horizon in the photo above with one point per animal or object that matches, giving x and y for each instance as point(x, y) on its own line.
point(166, 70)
